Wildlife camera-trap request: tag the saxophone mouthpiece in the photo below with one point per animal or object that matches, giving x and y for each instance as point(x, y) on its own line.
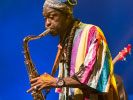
point(45, 33)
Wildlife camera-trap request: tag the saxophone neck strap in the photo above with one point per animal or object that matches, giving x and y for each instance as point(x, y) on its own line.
point(58, 59)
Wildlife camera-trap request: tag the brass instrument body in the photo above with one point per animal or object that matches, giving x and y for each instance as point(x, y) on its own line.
point(30, 66)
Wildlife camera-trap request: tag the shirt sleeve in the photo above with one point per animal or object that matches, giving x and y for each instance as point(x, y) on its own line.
point(96, 69)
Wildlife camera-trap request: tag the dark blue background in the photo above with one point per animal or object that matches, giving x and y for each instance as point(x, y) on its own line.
point(19, 18)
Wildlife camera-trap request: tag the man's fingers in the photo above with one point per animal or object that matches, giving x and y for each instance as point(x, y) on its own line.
point(36, 83)
point(32, 88)
point(34, 80)
point(41, 88)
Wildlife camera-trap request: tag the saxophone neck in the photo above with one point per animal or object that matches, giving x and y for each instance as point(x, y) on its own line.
point(44, 33)
point(32, 37)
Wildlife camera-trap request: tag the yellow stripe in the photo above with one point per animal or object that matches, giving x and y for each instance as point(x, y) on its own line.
point(113, 83)
point(82, 48)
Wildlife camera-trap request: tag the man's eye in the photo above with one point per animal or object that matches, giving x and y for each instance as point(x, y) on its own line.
point(45, 18)
point(51, 17)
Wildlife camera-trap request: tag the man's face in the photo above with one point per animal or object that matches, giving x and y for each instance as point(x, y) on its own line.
point(55, 21)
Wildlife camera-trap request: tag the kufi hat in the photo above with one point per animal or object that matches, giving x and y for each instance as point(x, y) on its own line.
point(65, 6)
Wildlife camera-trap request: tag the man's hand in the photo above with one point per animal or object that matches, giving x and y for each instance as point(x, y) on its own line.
point(44, 81)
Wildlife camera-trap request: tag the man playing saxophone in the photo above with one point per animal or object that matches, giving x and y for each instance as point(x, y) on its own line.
point(85, 69)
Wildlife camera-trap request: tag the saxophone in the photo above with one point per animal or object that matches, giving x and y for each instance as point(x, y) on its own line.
point(30, 66)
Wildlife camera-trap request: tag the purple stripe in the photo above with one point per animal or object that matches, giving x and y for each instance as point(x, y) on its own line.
point(74, 53)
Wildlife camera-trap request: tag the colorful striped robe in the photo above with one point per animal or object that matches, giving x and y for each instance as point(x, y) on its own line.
point(91, 62)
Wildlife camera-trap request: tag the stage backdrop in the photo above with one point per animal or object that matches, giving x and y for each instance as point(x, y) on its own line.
point(19, 18)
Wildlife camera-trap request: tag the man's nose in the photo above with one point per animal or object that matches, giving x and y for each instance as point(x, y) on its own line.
point(47, 23)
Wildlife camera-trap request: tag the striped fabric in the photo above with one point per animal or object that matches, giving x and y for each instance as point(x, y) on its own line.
point(91, 61)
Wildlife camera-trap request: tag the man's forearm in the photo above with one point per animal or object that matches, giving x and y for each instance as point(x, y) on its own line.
point(70, 82)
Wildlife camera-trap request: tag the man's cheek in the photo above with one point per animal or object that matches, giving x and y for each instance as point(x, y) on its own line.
point(56, 24)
